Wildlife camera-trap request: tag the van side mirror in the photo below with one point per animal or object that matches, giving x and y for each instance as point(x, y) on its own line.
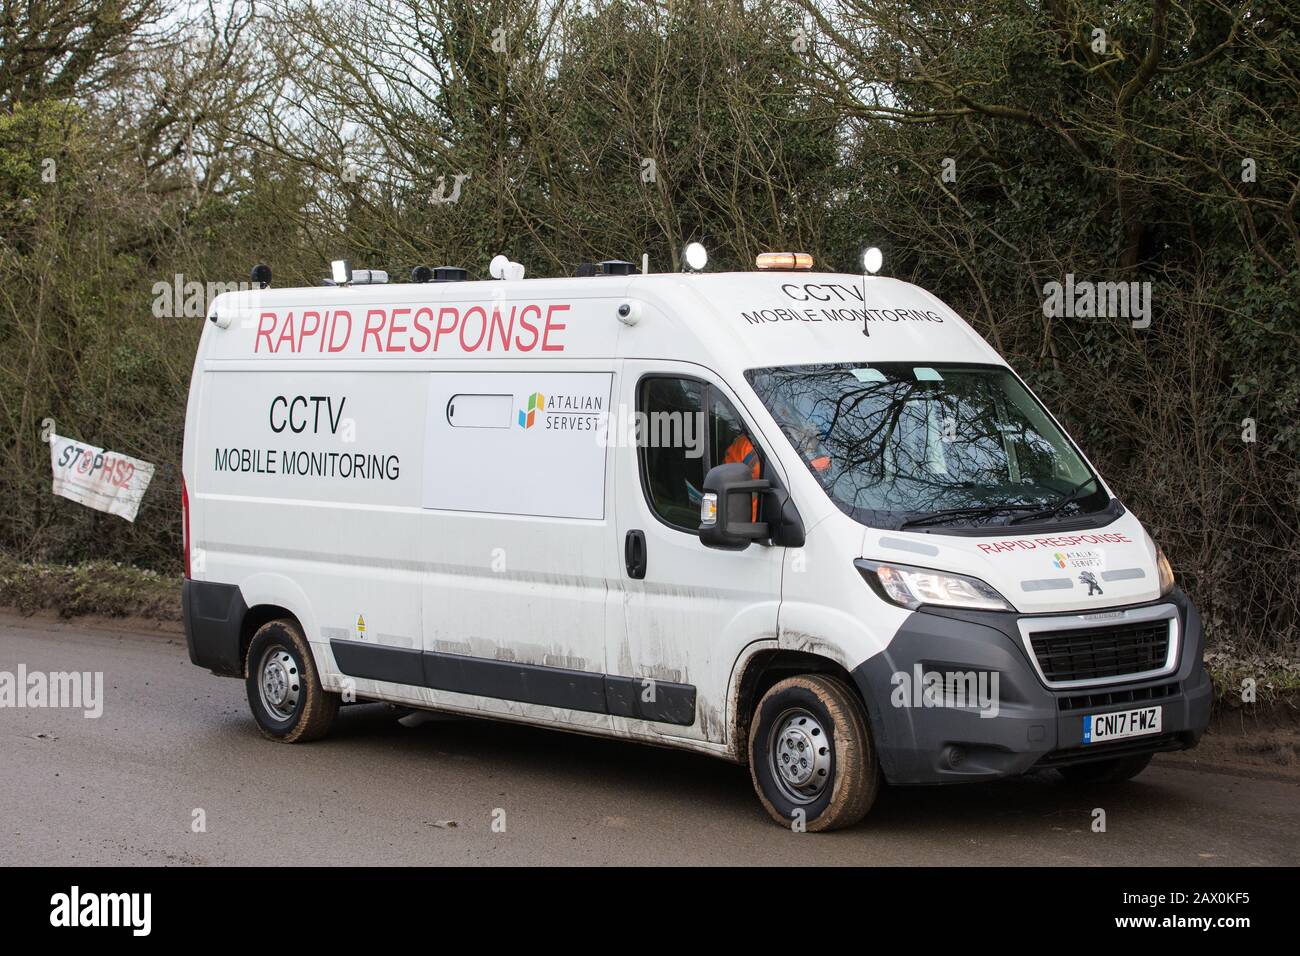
point(727, 513)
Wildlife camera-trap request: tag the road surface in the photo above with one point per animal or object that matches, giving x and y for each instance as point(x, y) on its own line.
point(173, 740)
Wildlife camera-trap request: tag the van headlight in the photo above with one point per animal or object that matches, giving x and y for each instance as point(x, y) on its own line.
point(911, 587)
point(1165, 571)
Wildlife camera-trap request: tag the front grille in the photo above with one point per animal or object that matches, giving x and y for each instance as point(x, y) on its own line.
point(1113, 698)
point(1098, 653)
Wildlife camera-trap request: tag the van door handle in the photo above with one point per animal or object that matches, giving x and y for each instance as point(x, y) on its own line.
point(634, 554)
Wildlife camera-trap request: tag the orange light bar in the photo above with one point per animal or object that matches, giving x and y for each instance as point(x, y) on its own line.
point(784, 261)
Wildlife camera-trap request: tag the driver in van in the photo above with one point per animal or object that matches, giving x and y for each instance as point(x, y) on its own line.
point(742, 451)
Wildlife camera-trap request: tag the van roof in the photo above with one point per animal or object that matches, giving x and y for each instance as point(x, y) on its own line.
point(734, 320)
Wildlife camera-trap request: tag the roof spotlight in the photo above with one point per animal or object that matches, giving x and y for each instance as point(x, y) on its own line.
point(872, 260)
point(341, 270)
point(696, 256)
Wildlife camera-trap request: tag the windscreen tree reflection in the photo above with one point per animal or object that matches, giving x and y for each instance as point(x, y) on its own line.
point(894, 442)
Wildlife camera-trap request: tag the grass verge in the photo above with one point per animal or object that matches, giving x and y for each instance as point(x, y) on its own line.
point(1241, 680)
point(98, 588)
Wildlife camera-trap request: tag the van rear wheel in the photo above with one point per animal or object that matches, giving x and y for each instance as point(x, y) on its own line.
point(811, 756)
point(284, 690)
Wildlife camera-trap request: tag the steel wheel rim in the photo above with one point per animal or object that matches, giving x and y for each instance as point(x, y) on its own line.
point(799, 754)
point(279, 683)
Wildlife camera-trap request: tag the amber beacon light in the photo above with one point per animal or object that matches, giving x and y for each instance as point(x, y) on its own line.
point(784, 261)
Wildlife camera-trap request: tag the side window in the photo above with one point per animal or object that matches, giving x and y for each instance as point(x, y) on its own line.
point(678, 444)
point(671, 446)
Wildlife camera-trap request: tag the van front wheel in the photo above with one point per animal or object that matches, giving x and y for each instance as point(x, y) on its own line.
point(811, 756)
point(284, 691)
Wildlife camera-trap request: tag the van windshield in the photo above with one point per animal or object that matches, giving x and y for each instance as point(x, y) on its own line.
point(903, 445)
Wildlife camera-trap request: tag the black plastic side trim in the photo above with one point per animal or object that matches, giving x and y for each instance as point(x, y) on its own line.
point(669, 703)
point(508, 680)
point(213, 614)
point(397, 664)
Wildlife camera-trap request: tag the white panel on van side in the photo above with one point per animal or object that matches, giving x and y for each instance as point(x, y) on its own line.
point(307, 484)
point(311, 436)
point(550, 459)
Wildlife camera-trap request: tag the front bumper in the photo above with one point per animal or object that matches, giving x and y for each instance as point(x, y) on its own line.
point(920, 741)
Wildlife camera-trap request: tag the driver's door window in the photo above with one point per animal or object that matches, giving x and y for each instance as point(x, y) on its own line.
point(678, 444)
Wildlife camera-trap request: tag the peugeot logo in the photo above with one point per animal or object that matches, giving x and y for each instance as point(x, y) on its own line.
point(1090, 579)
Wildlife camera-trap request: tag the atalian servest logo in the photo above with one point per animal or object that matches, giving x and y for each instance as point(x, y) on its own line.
point(528, 416)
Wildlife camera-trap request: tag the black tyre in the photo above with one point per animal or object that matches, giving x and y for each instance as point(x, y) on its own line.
point(811, 755)
point(284, 691)
point(1115, 770)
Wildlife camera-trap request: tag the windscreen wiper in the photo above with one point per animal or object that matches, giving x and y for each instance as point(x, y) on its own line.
point(972, 511)
point(1054, 509)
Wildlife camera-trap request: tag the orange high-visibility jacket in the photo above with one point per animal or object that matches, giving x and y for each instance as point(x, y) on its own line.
point(742, 451)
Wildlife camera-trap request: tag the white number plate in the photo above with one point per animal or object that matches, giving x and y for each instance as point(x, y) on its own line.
point(1124, 723)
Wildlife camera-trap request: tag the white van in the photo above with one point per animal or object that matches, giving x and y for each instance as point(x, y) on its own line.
point(803, 521)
